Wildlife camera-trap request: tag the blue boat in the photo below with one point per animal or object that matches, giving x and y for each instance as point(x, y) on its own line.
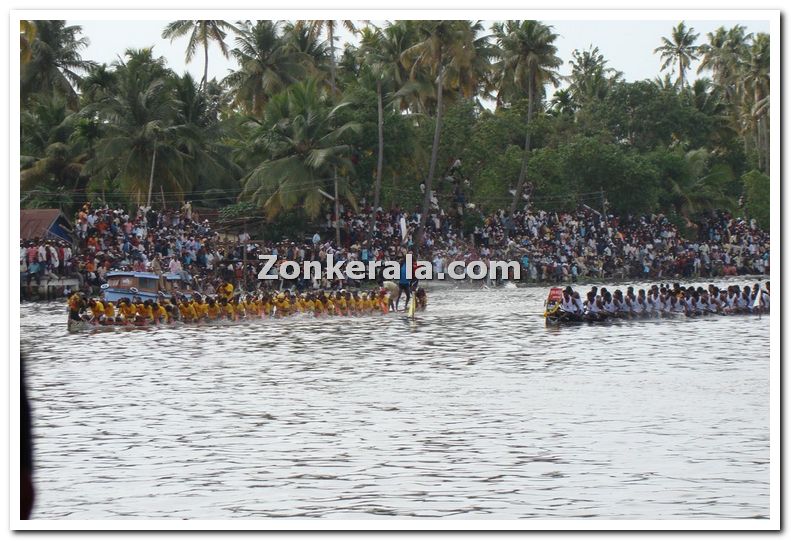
point(146, 285)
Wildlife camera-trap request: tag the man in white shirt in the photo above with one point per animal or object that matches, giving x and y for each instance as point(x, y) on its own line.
point(567, 303)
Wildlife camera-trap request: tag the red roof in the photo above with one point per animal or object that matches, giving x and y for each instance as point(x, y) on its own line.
point(38, 222)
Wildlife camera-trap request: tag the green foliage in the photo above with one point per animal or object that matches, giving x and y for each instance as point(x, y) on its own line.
point(241, 210)
point(757, 203)
point(297, 107)
point(304, 152)
point(470, 221)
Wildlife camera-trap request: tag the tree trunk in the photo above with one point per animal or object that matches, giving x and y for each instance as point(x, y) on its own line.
point(520, 185)
point(151, 178)
point(758, 146)
point(433, 162)
point(680, 74)
point(337, 212)
point(767, 146)
point(205, 65)
point(380, 159)
point(332, 58)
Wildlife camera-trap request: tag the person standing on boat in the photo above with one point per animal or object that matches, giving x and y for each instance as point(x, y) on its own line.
point(76, 306)
point(403, 285)
point(225, 291)
point(765, 298)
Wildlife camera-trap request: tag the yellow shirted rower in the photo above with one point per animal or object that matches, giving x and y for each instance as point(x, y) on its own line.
point(187, 311)
point(97, 308)
point(213, 310)
point(225, 291)
point(128, 310)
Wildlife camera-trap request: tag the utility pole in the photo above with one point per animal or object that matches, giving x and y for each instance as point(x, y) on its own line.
point(151, 178)
point(603, 203)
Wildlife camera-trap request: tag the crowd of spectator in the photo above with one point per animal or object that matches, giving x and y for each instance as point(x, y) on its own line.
point(550, 246)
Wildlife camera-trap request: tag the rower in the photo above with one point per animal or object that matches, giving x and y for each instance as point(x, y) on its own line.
point(567, 304)
point(640, 305)
point(765, 298)
point(97, 311)
point(608, 304)
point(593, 308)
point(109, 313)
point(676, 307)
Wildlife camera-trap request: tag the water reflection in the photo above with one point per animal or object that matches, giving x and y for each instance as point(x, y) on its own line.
point(473, 410)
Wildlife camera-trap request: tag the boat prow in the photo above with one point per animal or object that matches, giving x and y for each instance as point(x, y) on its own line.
point(79, 326)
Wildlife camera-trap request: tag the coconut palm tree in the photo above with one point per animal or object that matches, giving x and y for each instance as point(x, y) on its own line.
point(395, 40)
point(381, 50)
point(563, 103)
point(590, 77)
point(48, 156)
point(469, 74)
point(201, 33)
point(142, 138)
point(299, 38)
point(699, 188)
point(724, 54)
point(527, 62)
point(302, 150)
point(27, 34)
point(370, 51)
point(97, 83)
point(679, 50)
point(267, 65)
point(443, 46)
point(55, 62)
point(756, 96)
point(208, 157)
point(317, 27)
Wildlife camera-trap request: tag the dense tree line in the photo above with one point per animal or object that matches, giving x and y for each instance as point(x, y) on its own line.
point(300, 121)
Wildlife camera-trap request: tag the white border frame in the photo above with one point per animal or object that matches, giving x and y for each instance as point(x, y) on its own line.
point(13, 120)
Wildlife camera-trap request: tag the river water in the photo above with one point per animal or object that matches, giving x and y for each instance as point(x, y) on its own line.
point(475, 410)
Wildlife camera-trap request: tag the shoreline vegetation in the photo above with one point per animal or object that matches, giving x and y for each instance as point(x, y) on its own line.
point(482, 140)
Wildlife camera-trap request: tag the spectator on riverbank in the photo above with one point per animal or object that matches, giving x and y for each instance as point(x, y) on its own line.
point(549, 246)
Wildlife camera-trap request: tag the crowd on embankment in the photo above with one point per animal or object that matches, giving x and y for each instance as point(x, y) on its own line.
point(550, 247)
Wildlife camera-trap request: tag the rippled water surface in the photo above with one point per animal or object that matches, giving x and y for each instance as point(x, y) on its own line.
point(475, 410)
